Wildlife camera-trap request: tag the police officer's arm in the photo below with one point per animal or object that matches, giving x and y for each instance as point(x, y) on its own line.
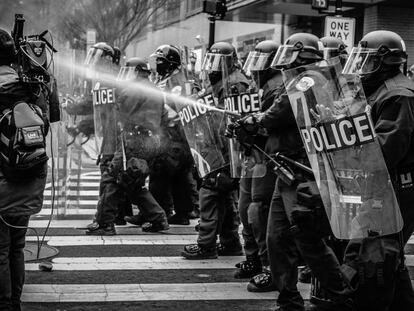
point(279, 115)
point(395, 128)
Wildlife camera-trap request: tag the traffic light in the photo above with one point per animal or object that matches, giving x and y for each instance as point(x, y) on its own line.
point(216, 8)
point(320, 4)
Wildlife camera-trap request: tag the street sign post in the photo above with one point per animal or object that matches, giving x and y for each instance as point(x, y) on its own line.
point(342, 28)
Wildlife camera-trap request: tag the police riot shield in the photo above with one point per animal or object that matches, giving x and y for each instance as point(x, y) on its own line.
point(201, 122)
point(246, 160)
point(334, 121)
point(105, 119)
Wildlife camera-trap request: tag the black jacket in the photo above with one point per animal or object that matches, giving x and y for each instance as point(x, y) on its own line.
point(393, 115)
point(18, 198)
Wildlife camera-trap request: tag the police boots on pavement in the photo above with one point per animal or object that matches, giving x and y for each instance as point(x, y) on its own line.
point(286, 241)
point(140, 115)
point(255, 193)
point(172, 182)
point(22, 179)
point(384, 282)
point(218, 212)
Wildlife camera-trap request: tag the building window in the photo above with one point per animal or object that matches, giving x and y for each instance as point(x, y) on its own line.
point(172, 10)
point(193, 6)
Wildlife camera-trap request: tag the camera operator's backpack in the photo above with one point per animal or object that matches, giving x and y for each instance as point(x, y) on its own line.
point(22, 141)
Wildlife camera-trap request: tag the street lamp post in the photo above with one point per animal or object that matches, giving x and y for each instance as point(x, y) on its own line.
point(217, 10)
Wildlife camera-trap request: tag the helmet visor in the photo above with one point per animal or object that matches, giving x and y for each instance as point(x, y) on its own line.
point(126, 74)
point(285, 55)
point(215, 62)
point(362, 61)
point(329, 53)
point(257, 61)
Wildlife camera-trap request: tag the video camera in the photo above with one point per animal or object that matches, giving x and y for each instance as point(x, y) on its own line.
point(31, 53)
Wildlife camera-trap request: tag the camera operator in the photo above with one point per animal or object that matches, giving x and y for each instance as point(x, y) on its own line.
point(24, 110)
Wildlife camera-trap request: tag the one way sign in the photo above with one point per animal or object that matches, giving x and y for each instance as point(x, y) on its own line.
point(342, 28)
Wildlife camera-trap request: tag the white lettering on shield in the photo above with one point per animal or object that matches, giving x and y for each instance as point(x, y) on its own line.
point(104, 96)
point(341, 133)
point(242, 103)
point(195, 109)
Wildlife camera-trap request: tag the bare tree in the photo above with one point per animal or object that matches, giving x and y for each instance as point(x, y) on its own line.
point(116, 22)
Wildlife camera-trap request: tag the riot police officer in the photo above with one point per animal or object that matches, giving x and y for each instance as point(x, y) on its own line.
point(140, 116)
point(172, 182)
point(255, 193)
point(286, 239)
point(218, 214)
point(21, 188)
point(334, 47)
point(378, 60)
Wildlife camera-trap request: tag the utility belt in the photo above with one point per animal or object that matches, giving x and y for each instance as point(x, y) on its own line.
point(220, 180)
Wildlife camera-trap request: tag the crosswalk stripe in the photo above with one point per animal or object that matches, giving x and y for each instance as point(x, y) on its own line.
point(91, 177)
point(143, 292)
point(68, 212)
point(82, 223)
point(136, 263)
point(117, 240)
point(79, 203)
point(81, 193)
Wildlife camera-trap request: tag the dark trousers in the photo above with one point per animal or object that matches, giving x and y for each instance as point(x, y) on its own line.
point(285, 247)
point(398, 294)
point(123, 205)
point(218, 216)
point(175, 192)
point(111, 191)
point(254, 199)
point(12, 243)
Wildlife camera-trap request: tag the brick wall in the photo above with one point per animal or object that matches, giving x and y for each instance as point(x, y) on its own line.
point(397, 19)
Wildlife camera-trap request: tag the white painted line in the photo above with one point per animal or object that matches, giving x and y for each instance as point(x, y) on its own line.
point(143, 292)
point(73, 202)
point(90, 177)
point(136, 263)
point(59, 223)
point(73, 192)
point(82, 223)
point(156, 239)
point(69, 211)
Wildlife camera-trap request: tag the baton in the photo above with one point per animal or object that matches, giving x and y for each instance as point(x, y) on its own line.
point(301, 166)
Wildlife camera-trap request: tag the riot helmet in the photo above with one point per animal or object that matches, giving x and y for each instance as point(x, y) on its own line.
point(377, 53)
point(221, 57)
point(7, 48)
point(298, 50)
point(258, 62)
point(100, 53)
point(165, 59)
point(134, 68)
point(333, 47)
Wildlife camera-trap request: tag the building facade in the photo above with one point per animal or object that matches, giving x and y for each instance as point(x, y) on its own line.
point(247, 22)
